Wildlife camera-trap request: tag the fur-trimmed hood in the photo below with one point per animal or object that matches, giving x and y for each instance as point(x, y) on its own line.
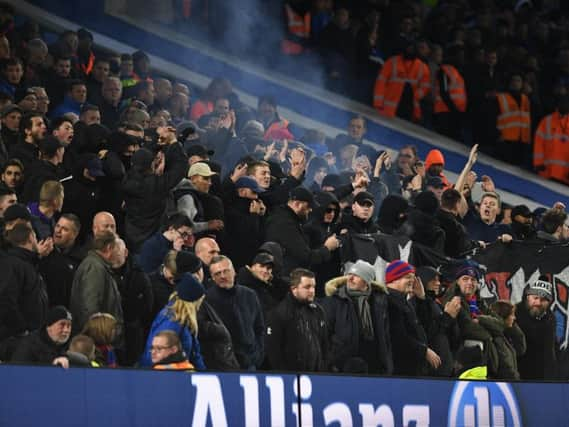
point(333, 285)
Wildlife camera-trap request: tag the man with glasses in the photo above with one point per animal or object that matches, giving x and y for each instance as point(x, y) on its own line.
point(166, 352)
point(240, 310)
point(175, 234)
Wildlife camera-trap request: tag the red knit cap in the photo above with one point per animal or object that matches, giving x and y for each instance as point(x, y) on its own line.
point(397, 269)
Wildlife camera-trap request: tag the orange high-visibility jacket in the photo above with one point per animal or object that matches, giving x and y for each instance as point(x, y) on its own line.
point(298, 29)
point(176, 366)
point(551, 147)
point(391, 80)
point(514, 121)
point(455, 88)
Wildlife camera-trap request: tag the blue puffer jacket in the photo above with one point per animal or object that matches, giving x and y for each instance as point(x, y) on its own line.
point(190, 344)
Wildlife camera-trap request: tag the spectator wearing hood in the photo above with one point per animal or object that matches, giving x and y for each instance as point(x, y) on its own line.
point(438, 321)
point(392, 214)
point(146, 189)
point(423, 227)
point(522, 223)
point(116, 163)
point(323, 223)
point(434, 166)
point(83, 191)
point(244, 221)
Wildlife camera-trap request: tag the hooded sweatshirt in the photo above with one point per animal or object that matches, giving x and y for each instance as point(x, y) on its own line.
point(436, 157)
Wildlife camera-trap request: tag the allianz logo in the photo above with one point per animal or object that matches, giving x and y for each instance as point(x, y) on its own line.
point(482, 404)
point(213, 407)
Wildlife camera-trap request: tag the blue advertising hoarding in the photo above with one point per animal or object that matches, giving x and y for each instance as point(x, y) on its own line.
point(49, 396)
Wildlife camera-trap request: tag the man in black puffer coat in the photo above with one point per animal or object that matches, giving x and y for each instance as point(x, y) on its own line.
point(358, 322)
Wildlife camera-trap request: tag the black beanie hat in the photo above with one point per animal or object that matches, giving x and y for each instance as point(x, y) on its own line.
point(187, 262)
point(189, 288)
point(56, 314)
point(17, 211)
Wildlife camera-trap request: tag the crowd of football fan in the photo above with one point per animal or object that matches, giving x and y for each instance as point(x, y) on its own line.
point(145, 226)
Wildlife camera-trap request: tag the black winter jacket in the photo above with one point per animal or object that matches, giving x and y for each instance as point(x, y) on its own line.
point(244, 232)
point(38, 348)
point(457, 241)
point(344, 327)
point(268, 296)
point(297, 336)
point(23, 296)
point(284, 227)
point(215, 340)
point(145, 197)
point(407, 336)
point(58, 270)
point(539, 361)
point(240, 311)
point(442, 332)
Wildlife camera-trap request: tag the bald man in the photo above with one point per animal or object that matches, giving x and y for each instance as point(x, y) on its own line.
point(205, 249)
point(103, 221)
point(163, 93)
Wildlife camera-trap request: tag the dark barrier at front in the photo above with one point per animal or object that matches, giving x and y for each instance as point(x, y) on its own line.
point(34, 396)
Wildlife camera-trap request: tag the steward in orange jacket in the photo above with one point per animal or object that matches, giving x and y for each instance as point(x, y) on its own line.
point(551, 145)
point(297, 30)
point(401, 84)
point(513, 123)
point(450, 98)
